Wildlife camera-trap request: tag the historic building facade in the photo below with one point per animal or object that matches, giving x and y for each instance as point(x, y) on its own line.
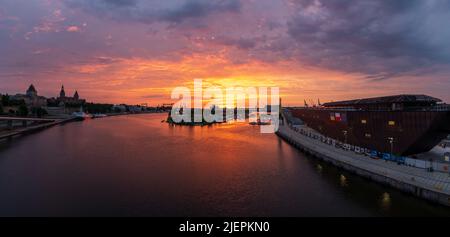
point(65, 101)
point(31, 98)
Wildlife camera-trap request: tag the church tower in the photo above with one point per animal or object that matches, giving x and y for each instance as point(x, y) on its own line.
point(31, 92)
point(62, 93)
point(76, 96)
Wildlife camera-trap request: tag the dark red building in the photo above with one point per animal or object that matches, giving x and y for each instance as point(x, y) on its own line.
point(413, 123)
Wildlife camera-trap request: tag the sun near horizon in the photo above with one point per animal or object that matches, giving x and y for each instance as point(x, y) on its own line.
point(136, 52)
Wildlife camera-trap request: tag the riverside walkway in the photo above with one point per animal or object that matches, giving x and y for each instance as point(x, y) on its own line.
point(25, 129)
point(433, 186)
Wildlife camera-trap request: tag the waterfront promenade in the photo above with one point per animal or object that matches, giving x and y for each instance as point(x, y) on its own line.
point(25, 129)
point(433, 186)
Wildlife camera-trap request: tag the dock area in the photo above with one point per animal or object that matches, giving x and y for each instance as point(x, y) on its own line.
point(432, 186)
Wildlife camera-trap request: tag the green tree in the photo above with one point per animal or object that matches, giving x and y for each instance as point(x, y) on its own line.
point(23, 110)
point(39, 112)
point(117, 110)
point(98, 108)
point(5, 100)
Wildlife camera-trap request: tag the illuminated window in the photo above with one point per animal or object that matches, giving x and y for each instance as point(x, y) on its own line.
point(363, 121)
point(391, 123)
point(368, 135)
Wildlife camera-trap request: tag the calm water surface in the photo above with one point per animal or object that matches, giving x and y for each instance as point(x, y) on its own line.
point(138, 166)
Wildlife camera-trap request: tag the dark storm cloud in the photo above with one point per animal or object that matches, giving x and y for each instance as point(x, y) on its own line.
point(194, 9)
point(155, 11)
point(378, 38)
point(120, 3)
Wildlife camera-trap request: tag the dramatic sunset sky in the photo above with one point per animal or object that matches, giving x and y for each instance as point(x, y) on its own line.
point(136, 51)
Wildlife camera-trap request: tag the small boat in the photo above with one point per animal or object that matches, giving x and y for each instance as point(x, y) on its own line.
point(81, 115)
point(260, 122)
point(261, 119)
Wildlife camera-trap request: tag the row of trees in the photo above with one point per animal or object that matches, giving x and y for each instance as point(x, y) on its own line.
point(22, 109)
point(7, 102)
point(98, 108)
point(1, 104)
point(16, 107)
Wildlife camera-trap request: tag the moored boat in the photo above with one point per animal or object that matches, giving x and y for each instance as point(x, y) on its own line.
point(81, 115)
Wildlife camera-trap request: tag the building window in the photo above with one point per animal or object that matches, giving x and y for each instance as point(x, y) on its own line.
point(391, 123)
point(368, 135)
point(363, 121)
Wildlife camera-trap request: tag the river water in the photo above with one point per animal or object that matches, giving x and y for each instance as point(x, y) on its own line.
point(138, 166)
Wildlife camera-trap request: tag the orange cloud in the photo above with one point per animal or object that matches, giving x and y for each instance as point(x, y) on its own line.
point(139, 80)
point(73, 29)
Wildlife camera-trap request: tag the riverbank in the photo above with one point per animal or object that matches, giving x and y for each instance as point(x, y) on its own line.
point(431, 186)
point(128, 113)
point(31, 129)
point(52, 121)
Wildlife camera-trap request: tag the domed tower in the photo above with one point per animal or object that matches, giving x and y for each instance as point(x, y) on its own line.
point(62, 93)
point(76, 96)
point(31, 92)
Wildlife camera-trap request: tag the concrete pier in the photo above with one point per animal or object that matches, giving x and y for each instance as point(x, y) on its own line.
point(432, 186)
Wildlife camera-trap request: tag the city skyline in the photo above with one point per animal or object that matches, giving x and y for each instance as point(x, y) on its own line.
point(240, 112)
point(117, 51)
